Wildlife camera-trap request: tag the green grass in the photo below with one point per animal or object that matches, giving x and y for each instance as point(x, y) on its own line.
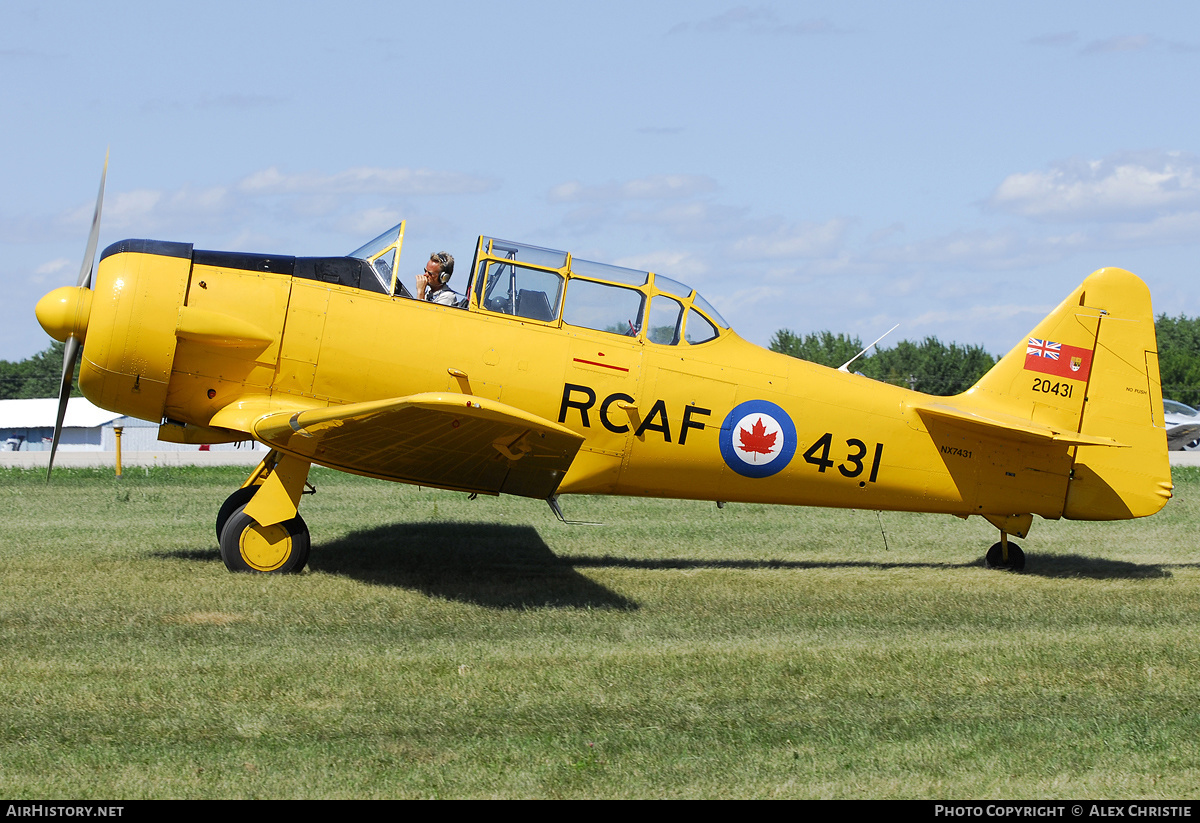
point(442, 647)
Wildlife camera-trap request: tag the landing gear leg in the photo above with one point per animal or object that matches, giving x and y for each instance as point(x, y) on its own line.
point(1007, 555)
point(258, 527)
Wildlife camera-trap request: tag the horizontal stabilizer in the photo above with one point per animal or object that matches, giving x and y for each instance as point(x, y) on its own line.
point(998, 424)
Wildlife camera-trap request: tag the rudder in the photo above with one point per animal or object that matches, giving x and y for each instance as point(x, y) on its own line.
point(1124, 401)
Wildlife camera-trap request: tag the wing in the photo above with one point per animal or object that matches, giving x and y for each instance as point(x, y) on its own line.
point(452, 441)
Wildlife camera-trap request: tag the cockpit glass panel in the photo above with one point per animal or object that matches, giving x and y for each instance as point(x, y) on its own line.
point(522, 292)
point(602, 307)
point(663, 323)
point(478, 282)
point(524, 253)
point(698, 329)
point(671, 286)
point(613, 274)
point(511, 278)
point(384, 264)
point(382, 258)
point(706, 307)
point(369, 250)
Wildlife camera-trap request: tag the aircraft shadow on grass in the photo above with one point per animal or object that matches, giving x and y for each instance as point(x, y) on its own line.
point(1096, 568)
point(489, 564)
point(510, 567)
point(493, 565)
point(1051, 565)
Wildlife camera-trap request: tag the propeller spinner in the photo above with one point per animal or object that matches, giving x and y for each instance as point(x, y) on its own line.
point(64, 313)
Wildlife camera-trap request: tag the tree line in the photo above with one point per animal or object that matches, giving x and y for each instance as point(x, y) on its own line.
point(938, 368)
point(37, 376)
point(929, 366)
point(1179, 357)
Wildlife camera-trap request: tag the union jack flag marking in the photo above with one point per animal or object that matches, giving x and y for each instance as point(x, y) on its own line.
point(1043, 348)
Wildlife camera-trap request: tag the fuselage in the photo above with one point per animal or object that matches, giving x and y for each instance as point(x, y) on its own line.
point(183, 337)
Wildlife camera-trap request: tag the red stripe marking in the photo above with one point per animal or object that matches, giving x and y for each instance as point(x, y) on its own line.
point(602, 365)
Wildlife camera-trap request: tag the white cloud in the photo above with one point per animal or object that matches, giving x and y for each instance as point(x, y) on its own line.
point(369, 222)
point(239, 101)
point(759, 20)
point(654, 187)
point(355, 201)
point(804, 239)
point(54, 271)
point(148, 210)
point(697, 220)
point(985, 250)
point(53, 266)
point(678, 265)
point(1137, 42)
point(235, 101)
point(131, 207)
point(366, 180)
point(753, 301)
point(884, 234)
point(966, 315)
point(1130, 186)
point(1170, 228)
point(1124, 42)
point(1061, 38)
point(253, 240)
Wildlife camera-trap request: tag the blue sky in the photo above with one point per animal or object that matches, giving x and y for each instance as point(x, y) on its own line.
point(956, 168)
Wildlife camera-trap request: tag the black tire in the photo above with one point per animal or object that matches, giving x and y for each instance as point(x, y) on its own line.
point(278, 549)
point(1016, 558)
point(232, 503)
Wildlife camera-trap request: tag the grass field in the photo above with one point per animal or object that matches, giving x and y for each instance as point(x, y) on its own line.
point(442, 647)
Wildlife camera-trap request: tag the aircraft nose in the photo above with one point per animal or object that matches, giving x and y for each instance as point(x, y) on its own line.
point(64, 312)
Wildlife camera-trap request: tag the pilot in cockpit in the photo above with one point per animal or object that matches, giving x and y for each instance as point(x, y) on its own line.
point(431, 283)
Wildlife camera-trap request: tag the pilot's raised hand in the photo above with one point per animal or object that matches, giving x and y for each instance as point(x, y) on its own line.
point(427, 279)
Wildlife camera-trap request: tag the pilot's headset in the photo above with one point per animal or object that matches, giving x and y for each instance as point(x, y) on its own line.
point(446, 262)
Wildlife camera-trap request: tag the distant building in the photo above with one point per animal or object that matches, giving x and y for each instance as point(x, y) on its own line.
point(28, 425)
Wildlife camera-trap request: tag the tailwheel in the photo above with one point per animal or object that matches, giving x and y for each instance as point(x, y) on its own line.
point(1016, 558)
point(280, 548)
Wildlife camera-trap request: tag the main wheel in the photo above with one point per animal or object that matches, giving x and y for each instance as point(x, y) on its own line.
point(232, 503)
point(1016, 557)
point(281, 548)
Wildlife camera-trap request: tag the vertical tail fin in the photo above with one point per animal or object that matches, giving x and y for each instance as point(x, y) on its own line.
point(1091, 366)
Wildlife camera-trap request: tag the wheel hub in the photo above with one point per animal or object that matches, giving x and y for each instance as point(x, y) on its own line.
point(265, 548)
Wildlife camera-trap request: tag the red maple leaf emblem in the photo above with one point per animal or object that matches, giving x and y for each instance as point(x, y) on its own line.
point(757, 439)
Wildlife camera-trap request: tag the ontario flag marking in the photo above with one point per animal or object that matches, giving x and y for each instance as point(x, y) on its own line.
point(1058, 359)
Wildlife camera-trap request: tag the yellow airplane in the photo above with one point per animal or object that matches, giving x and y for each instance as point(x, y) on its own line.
point(564, 376)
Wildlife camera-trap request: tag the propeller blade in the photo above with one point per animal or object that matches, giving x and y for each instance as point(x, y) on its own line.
point(70, 352)
point(85, 271)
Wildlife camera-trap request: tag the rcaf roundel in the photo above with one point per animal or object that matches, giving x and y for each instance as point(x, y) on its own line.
point(758, 439)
